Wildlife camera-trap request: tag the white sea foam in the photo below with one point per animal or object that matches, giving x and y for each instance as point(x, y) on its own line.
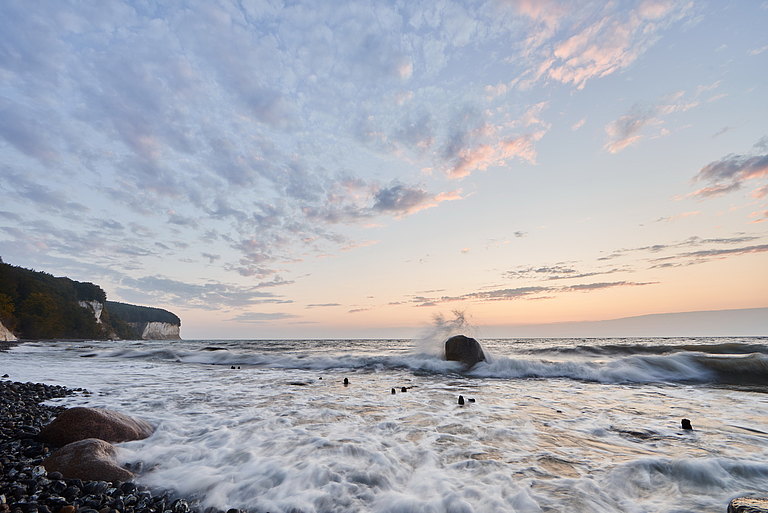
point(550, 430)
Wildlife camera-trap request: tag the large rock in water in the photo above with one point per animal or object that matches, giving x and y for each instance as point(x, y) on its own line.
point(463, 349)
point(748, 505)
point(89, 460)
point(79, 423)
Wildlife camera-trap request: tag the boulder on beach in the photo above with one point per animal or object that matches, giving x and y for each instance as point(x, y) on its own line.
point(748, 505)
point(80, 423)
point(464, 349)
point(89, 460)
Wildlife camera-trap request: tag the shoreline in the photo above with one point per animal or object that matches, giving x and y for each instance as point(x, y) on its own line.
point(28, 488)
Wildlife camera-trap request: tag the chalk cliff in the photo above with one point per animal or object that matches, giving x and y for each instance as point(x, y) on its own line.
point(97, 307)
point(145, 322)
point(161, 331)
point(5, 334)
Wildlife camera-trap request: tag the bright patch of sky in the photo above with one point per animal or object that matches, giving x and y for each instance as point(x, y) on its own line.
point(267, 168)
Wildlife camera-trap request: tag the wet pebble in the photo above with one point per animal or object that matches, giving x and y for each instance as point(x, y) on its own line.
point(26, 487)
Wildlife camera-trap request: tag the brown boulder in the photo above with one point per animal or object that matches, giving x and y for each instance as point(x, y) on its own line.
point(89, 460)
point(464, 349)
point(79, 423)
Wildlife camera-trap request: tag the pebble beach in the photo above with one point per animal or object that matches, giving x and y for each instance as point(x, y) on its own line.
point(26, 487)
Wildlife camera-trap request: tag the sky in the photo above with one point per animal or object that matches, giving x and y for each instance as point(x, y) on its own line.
point(279, 169)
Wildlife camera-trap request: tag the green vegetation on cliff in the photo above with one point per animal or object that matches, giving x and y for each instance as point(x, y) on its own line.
point(37, 305)
point(141, 314)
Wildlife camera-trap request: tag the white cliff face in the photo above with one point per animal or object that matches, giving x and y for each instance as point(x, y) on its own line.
point(5, 334)
point(95, 307)
point(161, 331)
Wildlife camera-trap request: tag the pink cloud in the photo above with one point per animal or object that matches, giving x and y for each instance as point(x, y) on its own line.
point(484, 156)
point(592, 50)
point(730, 172)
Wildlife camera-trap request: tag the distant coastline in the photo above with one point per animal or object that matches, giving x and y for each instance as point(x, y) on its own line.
point(743, 322)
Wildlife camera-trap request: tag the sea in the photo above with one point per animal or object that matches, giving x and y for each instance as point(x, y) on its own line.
point(547, 425)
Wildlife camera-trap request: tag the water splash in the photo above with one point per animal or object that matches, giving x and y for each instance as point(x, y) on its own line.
point(433, 338)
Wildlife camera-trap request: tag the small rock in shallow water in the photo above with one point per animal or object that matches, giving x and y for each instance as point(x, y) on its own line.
point(686, 424)
point(461, 400)
point(180, 506)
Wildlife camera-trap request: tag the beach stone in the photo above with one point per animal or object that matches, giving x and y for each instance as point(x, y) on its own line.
point(90, 459)
point(748, 505)
point(464, 349)
point(80, 423)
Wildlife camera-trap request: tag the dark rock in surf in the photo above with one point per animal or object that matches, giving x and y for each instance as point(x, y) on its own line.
point(79, 423)
point(393, 391)
point(90, 459)
point(686, 424)
point(471, 400)
point(346, 382)
point(404, 389)
point(464, 349)
point(748, 505)
point(461, 400)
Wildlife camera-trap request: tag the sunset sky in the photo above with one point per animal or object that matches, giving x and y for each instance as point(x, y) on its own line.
point(315, 169)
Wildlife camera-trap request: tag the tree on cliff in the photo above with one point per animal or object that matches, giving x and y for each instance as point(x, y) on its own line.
point(7, 309)
point(38, 305)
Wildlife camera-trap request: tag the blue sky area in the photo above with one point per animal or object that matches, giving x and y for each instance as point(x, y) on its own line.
point(311, 169)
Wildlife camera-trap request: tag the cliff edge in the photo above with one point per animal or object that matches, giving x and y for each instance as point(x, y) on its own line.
point(38, 305)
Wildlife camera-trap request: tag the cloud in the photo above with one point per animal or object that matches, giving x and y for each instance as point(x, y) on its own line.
point(705, 255)
point(261, 317)
point(555, 272)
point(480, 158)
point(527, 293)
point(630, 128)
point(593, 41)
point(691, 251)
point(208, 296)
point(731, 172)
point(396, 199)
point(683, 215)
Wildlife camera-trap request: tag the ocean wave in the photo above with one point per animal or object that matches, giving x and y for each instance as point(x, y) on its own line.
point(691, 367)
point(690, 475)
point(678, 367)
point(722, 348)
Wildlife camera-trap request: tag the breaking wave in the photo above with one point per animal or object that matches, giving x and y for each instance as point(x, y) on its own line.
point(695, 367)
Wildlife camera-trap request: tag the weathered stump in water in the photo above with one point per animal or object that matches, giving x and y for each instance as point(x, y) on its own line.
point(464, 349)
point(748, 505)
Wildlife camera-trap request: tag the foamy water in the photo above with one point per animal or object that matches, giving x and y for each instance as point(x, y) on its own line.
point(557, 425)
